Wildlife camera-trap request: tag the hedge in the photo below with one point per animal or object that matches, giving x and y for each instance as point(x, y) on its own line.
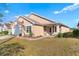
point(4, 33)
point(74, 33)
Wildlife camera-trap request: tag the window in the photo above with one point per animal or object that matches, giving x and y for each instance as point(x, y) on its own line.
point(44, 28)
point(28, 29)
point(55, 29)
point(50, 30)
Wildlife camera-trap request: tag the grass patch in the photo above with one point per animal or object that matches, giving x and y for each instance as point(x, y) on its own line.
point(48, 46)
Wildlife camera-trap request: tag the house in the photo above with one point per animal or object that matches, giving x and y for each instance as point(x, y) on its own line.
point(3, 27)
point(36, 25)
point(8, 28)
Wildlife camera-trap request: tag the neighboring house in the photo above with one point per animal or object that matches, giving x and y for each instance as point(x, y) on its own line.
point(8, 28)
point(37, 26)
point(3, 27)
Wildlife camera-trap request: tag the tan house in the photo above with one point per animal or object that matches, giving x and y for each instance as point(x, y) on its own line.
point(36, 25)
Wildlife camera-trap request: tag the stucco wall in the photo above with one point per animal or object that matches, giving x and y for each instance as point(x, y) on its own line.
point(25, 23)
point(58, 29)
point(37, 30)
point(65, 29)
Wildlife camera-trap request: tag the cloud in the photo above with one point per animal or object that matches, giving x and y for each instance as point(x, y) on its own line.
point(68, 8)
point(6, 11)
point(17, 16)
point(20, 15)
point(26, 15)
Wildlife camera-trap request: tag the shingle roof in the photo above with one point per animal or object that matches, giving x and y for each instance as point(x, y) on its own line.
point(8, 25)
point(63, 25)
point(42, 17)
point(36, 22)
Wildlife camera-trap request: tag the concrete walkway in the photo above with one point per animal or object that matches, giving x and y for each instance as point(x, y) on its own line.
point(30, 38)
point(6, 37)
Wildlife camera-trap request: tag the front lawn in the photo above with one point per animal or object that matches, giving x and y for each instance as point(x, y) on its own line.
point(48, 46)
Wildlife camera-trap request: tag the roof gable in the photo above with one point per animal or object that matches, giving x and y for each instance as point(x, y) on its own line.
point(40, 20)
point(24, 18)
point(28, 20)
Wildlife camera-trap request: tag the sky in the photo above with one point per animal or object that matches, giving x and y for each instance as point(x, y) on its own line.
point(66, 13)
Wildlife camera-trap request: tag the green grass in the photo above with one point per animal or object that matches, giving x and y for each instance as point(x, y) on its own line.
point(49, 46)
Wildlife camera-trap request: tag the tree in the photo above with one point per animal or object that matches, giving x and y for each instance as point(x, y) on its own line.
point(1, 16)
point(78, 25)
point(76, 32)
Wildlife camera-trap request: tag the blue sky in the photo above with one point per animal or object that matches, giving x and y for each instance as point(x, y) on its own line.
point(66, 13)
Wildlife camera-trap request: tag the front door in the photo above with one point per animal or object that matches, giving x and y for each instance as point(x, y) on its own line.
point(17, 30)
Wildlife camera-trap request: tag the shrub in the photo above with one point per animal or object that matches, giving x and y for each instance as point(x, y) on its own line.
point(68, 34)
point(1, 33)
point(30, 33)
point(75, 33)
point(60, 35)
point(5, 32)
